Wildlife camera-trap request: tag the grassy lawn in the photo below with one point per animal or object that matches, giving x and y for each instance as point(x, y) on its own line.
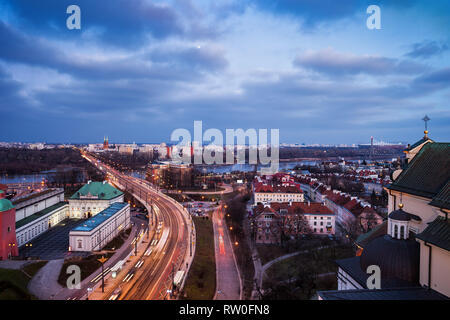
point(90, 264)
point(315, 261)
point(13, 285)
point(32, 268)
point(87, 265)
point(301, 276)
point(268, 252)
point(118, 241)
point(201, 280)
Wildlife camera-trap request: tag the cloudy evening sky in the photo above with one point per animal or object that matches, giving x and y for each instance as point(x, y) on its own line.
point(138, 69)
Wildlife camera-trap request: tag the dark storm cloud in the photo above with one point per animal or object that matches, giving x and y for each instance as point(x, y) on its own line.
point(17, 47)
point(427, 49)
point(106, 96)
point(175, 65)
point(314, 12)
point(122, 23)
point(436, 80)
point(329, 61)
point(10, 98)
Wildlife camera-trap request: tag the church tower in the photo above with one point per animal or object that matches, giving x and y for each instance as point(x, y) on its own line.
point(105, 143)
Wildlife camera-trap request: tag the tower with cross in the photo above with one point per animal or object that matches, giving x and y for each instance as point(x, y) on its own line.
point(426, 119)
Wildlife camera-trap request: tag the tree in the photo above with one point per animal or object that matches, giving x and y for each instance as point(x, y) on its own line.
point(374, 198)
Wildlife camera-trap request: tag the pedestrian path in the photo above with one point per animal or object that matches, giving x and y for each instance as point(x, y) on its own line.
point(44, 285)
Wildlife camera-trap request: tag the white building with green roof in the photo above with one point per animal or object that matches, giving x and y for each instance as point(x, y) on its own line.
point(37, 212)
point(93, 198)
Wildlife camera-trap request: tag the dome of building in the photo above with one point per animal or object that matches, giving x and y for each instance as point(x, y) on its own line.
point(5, 204)
point(397, 258)
point(399, 215)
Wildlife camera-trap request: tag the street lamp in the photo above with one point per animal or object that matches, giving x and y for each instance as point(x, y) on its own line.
point(11, 246)
point(27, 247)
point(102, 260)
point(135, 243)
point(89, 290)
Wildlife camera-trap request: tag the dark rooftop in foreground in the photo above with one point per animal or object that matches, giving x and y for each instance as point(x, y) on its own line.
point(442, 199)
point(437, 233)
point(413, 293)
point(427, 173)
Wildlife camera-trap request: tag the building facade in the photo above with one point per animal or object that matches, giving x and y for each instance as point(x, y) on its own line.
point(35, 202)
point(293, 219)
point(412, 248)
point(97, 231)
point(276, 188)
point(93, 198)
point(34, 225)
point(8, 241)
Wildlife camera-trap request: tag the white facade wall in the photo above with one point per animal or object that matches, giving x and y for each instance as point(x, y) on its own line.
point(319, 223)
point(35, 228)
point(415, 205)
point(278, 197)
point(97, 238)
point(80, 208)
point(32, 206)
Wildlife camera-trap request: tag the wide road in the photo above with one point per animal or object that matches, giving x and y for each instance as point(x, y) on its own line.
point(227, 274)
point(153, 279)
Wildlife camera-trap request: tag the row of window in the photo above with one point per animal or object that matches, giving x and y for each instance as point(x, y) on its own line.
point(42, 226)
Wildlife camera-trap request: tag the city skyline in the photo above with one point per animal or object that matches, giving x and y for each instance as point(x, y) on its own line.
point(137, 72)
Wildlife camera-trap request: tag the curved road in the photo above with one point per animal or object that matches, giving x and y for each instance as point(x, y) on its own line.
point(154, 278)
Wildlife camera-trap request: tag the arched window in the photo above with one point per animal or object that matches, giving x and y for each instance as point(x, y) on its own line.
point(395, 231)
point(402, 232)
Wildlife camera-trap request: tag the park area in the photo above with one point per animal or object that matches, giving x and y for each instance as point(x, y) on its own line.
point(14, 282)
point(302, 275)
point(201, 280)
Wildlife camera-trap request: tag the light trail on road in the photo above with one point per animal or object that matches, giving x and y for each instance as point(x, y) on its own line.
point(151, 280)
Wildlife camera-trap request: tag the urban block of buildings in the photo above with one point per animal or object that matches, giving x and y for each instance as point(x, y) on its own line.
point(350, 211)
point(277, 220)
point(279, 187)
point(412, 247)
point(98, 205)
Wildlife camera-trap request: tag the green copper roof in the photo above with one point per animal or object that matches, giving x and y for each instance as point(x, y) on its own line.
point(103, 191)
point(437, 233)
point(5, 205)
point(442, 199)
point(427, 173)
point(39, 214)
